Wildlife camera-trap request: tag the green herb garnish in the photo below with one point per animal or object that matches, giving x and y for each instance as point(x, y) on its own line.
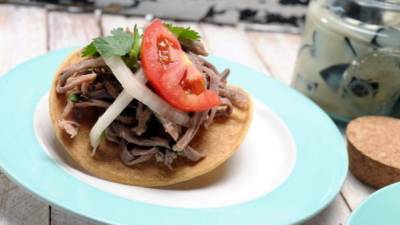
point(119, 43)
point(183, 32)
point(126, 44)
point(74, 97)
point(89, 50)
point(134, 52)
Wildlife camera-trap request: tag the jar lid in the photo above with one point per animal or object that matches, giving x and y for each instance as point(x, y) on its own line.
point(376, 12)
point(390, 5)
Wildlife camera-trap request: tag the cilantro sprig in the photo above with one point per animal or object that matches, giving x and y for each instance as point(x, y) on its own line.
point(183, 32)
point(126, 44)
point(119, 43)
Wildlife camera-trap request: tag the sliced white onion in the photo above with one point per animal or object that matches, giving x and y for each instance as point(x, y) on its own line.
point(112, 112)
point(142, 93)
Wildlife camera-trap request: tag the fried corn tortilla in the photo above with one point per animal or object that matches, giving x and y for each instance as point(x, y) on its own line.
point(220, 140)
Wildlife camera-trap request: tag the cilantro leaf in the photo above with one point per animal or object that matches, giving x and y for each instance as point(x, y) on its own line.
point(89, 50)
point(118, 44)
point(183, 32)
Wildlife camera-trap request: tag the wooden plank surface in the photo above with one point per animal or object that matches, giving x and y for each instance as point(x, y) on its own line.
point(355, 192)
point(266, 52)
point(109, 22)
point(66, 29)
point(60, 217)
point(233, 44)
point(16, 24)
point(19, 207)
point(335, 214)
point(278, 52)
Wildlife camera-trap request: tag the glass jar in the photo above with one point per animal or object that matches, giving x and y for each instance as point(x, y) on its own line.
point(349, 60)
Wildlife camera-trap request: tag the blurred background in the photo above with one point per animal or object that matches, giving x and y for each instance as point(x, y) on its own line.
point(276, 15)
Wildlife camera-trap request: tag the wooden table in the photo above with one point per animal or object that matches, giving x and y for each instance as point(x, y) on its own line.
point(26, 32)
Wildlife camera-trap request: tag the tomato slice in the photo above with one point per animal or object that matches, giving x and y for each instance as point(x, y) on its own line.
point(171, 73)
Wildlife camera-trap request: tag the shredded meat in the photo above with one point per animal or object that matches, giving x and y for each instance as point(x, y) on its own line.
point(238, 98)
point(72, 82)
point(167, 157)
point(92, 103)
point(142, 116)
point(125, 133)
point(88, 88)
point(173, 129)
point(141, 134)
point(80, 67)
point(112, 88)
point(207, 64)
point(70, 127)
point(136, 155)
point(196, 47)
point(68, 109)
point(192, 154)
point(84, 88)
point(112, 136)
point(225, 109)
point(99, 94)
point(128, 120)
point(196, 121)
point(224, 75)
point(213, 85)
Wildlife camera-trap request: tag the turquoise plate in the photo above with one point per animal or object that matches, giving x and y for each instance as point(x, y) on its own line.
point(318, 173)
point(382, 207)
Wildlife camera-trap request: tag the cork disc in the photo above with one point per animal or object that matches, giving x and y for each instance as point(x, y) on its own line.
point(374, 149)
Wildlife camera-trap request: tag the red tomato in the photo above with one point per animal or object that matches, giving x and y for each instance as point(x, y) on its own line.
point(171, 73)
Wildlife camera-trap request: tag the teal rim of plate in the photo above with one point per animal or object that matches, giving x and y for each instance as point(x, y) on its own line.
point(382, 207)
point(320, 169)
